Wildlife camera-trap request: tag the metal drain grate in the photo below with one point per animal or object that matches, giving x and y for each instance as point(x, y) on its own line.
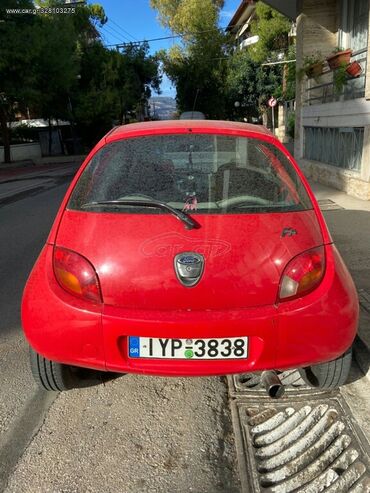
point(328, 205)
point(364, 298)
point(306, 446)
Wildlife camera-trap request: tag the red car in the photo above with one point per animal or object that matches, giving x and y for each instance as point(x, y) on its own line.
point(189, 248)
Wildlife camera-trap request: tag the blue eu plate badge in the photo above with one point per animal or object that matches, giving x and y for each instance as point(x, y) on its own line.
point(134, 347)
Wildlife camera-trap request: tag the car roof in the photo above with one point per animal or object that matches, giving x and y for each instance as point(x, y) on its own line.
point(165, 126)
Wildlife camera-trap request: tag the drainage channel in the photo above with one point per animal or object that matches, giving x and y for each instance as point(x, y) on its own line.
point(306, 442)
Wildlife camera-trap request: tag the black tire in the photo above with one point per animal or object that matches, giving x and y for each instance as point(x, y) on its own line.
point(330, 375)
point(50, 375)
point(53, 376)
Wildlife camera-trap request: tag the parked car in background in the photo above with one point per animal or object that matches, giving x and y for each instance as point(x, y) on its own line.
point(192, 115)
point(189, 250)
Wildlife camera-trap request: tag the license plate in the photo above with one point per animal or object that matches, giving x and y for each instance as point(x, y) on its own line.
point(196, 349)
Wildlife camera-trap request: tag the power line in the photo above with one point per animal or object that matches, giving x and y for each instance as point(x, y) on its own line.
point(149, 40)
point(111, 33)
point(170, 37)
point(121, 28)
point(117, 32)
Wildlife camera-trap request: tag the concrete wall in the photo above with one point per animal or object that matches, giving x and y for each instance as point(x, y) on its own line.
point(20, 152)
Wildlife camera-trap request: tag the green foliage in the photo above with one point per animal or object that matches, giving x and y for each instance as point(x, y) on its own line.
point(312, 65)
point(272, 29)
point(312, 59)
point(56, 66)
point(340, 78)
point(291, 125)
point(252, 84)
point(112, 84)
point(188, 16)
point(290, 74)
point(197, 67)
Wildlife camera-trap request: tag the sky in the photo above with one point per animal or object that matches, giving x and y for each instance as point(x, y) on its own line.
point(134, 20)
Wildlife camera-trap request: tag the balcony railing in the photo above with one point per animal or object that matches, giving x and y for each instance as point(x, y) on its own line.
point(325, 91)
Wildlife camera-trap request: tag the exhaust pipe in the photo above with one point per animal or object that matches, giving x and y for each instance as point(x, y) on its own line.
point(272, 383)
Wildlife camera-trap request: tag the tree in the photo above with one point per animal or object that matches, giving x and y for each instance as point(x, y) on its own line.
point(57, 66)
point(272, 28)
point(197, 65)
point(17, 65)
point(187, 17)
point(111, 85)
point(39, 59)
point(251, 84)
point(251, 80)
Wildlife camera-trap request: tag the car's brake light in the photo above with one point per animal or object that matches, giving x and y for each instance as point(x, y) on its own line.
point(303, 274)
point(76, 275)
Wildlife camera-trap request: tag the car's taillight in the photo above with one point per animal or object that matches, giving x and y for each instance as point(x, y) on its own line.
point(303, 274)
point(76, 275)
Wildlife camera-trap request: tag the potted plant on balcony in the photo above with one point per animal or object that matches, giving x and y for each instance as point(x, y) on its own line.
point(312, 66)
point(340, 78)
point(339, 57)
point(354, 69)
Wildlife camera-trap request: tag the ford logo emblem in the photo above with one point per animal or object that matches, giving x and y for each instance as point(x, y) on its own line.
point(189, 268)
point(189, 260)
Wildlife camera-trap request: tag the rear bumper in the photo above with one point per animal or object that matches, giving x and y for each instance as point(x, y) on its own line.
point(319, 327)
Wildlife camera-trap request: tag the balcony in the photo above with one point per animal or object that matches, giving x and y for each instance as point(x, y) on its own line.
point(322, 90)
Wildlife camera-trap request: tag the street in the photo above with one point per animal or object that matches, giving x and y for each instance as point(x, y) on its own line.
point(191, 245)
point(133, 433)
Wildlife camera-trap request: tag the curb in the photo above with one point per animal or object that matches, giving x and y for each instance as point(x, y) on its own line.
point(43, 161)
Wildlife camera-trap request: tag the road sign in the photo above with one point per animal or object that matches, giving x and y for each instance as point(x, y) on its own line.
point(272, 102)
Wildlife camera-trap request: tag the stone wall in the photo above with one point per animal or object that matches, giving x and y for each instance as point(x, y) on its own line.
point(345, 180)
point(20, 152)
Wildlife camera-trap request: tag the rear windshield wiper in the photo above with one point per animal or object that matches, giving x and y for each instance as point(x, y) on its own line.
point(154, 204)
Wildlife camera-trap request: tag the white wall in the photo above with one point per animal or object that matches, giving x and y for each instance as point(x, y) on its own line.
point(352, 113)
point(19, 152)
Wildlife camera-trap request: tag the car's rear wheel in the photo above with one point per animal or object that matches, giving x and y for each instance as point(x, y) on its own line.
point(329, 375)
point(50, 375)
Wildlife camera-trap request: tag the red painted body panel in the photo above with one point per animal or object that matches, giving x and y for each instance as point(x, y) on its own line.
point(56, 323)
point(245, 256)
point(316, 328)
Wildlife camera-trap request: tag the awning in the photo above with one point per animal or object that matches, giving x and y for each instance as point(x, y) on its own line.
point(289, 8)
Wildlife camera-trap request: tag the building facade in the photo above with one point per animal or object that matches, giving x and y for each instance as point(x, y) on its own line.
point(240, 23)
point(332, 133)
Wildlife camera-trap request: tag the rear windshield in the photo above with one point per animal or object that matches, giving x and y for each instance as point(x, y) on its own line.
point(197, 173)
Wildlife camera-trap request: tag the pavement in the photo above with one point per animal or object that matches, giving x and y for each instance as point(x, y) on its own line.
point(340, 211)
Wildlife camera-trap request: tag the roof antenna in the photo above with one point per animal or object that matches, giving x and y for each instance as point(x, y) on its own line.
point(195, 102)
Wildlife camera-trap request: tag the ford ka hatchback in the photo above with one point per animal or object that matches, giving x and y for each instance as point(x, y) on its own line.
point(189, 248)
